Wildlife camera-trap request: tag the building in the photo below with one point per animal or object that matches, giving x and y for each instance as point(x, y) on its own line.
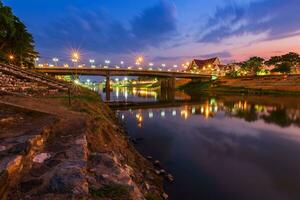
point(208, 66)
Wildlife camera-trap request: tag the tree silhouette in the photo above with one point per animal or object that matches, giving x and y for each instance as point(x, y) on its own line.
point(16, 44)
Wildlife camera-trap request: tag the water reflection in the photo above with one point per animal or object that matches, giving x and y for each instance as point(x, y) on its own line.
point(280, 116)
point(223, 147)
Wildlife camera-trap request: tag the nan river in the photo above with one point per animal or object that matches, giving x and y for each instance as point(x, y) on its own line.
point(218, 147)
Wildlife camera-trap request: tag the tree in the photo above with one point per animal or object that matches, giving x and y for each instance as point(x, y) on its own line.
point(284, 68)
point(284, 63)
point(253, 65)
point(16, 44)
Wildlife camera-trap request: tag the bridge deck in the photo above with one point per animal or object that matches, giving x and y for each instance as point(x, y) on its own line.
point(119, 72)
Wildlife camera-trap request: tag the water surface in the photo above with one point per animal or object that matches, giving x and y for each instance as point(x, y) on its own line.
point(222, 147)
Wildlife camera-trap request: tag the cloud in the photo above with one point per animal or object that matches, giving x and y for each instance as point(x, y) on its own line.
point(277, 18)
point(96, 30)
point(222, 55)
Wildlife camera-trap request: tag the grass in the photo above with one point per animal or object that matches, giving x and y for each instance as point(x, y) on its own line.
point(152, 196)
point(113, 191)
point(207, 87)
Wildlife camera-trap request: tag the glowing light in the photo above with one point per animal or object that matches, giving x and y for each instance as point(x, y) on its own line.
point(175, 66)
point(11, 57)
point(150, 115)
point(193, 110)
point(163, 114)
point(174, 112)
point(163, 65)
point(129, 67)
point(140, 68)
point(75, 55)
point(125, 79)
point(107, 62)
point(151, 64)
point(122, 62)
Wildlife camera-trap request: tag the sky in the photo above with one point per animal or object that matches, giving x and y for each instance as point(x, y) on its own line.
point(163, 31)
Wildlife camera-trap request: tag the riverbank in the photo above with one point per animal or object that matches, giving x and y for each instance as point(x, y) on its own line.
point(82, 152)
point(289, 85)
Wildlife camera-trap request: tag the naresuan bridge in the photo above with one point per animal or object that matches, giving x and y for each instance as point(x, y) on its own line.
point(167, 78)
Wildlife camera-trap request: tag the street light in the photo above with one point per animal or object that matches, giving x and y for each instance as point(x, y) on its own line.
point(92, 61)
point(55, 60)
point(75, 57)
point(107, 62)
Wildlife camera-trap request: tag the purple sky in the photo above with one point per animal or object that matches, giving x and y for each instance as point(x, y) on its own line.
point(163, 31)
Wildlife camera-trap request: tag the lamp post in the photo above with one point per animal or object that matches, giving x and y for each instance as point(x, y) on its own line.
point(55, 60)
point(75, 57)
point(92, 62)
point(11, 57)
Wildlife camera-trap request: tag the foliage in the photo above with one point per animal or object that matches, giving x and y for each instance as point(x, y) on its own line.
point(152, 196)
point(114, 191)
point(284, 67)
point(15, 40)
point(253, 65)
point(284, 63)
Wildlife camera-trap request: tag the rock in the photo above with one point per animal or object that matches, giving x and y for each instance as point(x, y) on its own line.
point(149, 157)
point(156, 163)
point(170, 178)
point(165, 196)
point(147, 186)
point(40, 158)
point(2, 148)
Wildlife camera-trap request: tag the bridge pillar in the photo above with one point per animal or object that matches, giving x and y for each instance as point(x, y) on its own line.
point(167, 89)
point(107, 88)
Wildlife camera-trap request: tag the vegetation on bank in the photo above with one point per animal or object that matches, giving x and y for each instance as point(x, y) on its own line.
point(284, 64)
point(16, 43)
point(213, 86)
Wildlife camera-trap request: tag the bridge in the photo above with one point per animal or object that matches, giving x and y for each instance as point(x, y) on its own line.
point(166, 78)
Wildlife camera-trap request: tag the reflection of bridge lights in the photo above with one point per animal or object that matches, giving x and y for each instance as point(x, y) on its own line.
point(193, 110)
point(129, 67)
point(184, 113)
point(123, 117)
point(126, 94)
point(151, 64)
point(105, 67)
point(150, 69)
point(117, 67)
point(134, 91)
point(174, 113)
point(159, 69)
point(216, 109)
point(150, 115)
point(162, 113)
point(202, 110)
point(169, 70)
point(140, 68)
point(77, 82)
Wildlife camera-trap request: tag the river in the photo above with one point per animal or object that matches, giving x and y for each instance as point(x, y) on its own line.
point(219, 147)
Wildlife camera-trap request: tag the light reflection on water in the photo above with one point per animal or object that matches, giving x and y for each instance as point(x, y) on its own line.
point(223, 147)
